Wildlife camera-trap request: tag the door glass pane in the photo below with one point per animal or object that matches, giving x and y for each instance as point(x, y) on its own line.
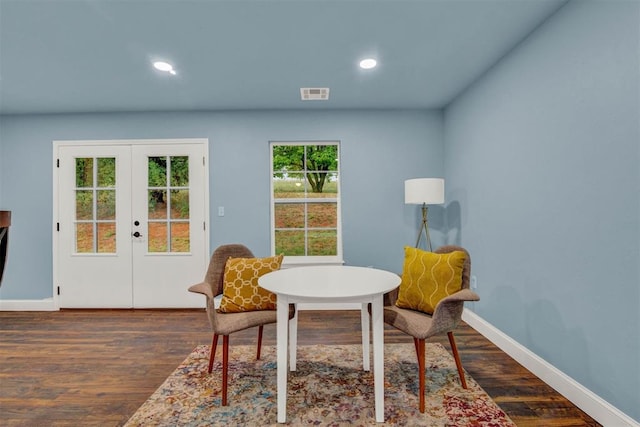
point(179, 171)
point(179, 204)
point(106, 237)
point(94, 203)
point(106, 208)
point(289, 215)
point(84, 205)
point(157, 241)
point(168, 201)
point(84, 172)
point(179, 237)
point(157, 204)
point(322, 215)
point(84, 237)
point(157, 171)
point(106, 172)
point(290, 242)
point(322, 242)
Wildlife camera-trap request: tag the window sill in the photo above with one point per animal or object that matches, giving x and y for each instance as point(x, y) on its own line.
point(288, 262)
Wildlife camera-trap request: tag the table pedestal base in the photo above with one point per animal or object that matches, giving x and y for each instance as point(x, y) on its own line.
point(287, 339)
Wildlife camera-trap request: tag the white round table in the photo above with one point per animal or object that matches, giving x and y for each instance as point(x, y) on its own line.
point(330, 284)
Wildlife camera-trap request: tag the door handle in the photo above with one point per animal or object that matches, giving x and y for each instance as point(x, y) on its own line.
point(136, 234)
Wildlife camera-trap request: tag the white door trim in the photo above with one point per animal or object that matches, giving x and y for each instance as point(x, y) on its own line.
point(116, 142)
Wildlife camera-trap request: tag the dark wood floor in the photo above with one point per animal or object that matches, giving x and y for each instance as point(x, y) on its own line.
point(96, 367)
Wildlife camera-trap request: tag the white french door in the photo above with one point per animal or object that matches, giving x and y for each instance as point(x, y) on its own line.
point(131, 226)
point(169, 213)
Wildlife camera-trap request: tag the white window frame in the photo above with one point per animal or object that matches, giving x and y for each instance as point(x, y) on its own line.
point(304, 259)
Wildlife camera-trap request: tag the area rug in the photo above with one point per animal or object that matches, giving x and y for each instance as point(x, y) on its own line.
point(329, 388)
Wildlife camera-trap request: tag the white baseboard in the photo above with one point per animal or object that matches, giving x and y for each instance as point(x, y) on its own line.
point(598, 408)
point(311, 306)
point(46, 304)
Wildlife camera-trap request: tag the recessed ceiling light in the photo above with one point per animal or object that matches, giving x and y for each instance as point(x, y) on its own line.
point(368, 63)
point(164, 66)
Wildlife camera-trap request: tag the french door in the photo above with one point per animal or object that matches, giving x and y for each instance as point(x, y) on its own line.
point(131, 227)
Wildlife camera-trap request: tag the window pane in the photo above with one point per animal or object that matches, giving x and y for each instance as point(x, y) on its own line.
point(179, 237)
point(84, 204)
point(289, 215)
point(322, 215)
point(106, 237)
point(322, 158)
point(157, 204)
point(157, 171)
point(84, 237)
point(289, 186)
point(289, 242)
point(106, 206)
point(179, 204)
point(322, 184)
point(331, 185)
point(180, 171)
point(84, 172)
point(157, 237)
point(106, 172)
point(287, 158)
point(323, 242)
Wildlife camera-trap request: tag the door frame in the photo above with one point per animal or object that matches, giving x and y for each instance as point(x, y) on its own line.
point(57, 144)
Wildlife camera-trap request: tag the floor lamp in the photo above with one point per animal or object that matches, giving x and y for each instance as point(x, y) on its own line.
point(424, 191)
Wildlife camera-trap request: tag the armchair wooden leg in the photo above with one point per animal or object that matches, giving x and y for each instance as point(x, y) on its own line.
point(415, 343)
point(225, 368)
point(456, 356)
point(421, 369)
point(212, 355)
point(260, 328)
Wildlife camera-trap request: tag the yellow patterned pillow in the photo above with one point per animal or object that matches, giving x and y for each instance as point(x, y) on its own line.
point(240, 291)
point(428, 277)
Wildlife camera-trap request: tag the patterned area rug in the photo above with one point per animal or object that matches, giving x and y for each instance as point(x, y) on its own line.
point(329, 388)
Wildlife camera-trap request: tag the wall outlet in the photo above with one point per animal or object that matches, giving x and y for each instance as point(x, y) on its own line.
point(474, 282)
point(220, 210)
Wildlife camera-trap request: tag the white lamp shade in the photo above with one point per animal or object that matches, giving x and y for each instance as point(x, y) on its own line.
point(424, 190)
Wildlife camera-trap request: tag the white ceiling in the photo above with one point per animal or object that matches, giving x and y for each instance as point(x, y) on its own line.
point(60, 56)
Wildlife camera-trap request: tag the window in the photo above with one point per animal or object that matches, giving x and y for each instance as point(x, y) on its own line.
point(305, 208)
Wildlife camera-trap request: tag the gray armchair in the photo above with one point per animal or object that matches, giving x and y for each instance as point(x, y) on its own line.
point(227, 323)
point(445, 319)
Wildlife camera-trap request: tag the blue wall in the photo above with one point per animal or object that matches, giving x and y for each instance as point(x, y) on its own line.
point(379, 150)
point(542, 164)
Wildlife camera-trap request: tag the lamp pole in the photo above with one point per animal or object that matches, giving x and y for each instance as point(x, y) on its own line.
point(424, 226)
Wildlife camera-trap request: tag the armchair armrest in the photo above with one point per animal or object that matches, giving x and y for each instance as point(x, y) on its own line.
point(203, 288)
point(448, 312)
point(461, 295)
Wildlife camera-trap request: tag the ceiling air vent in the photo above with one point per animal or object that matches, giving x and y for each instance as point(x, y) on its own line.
point(314, 93)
